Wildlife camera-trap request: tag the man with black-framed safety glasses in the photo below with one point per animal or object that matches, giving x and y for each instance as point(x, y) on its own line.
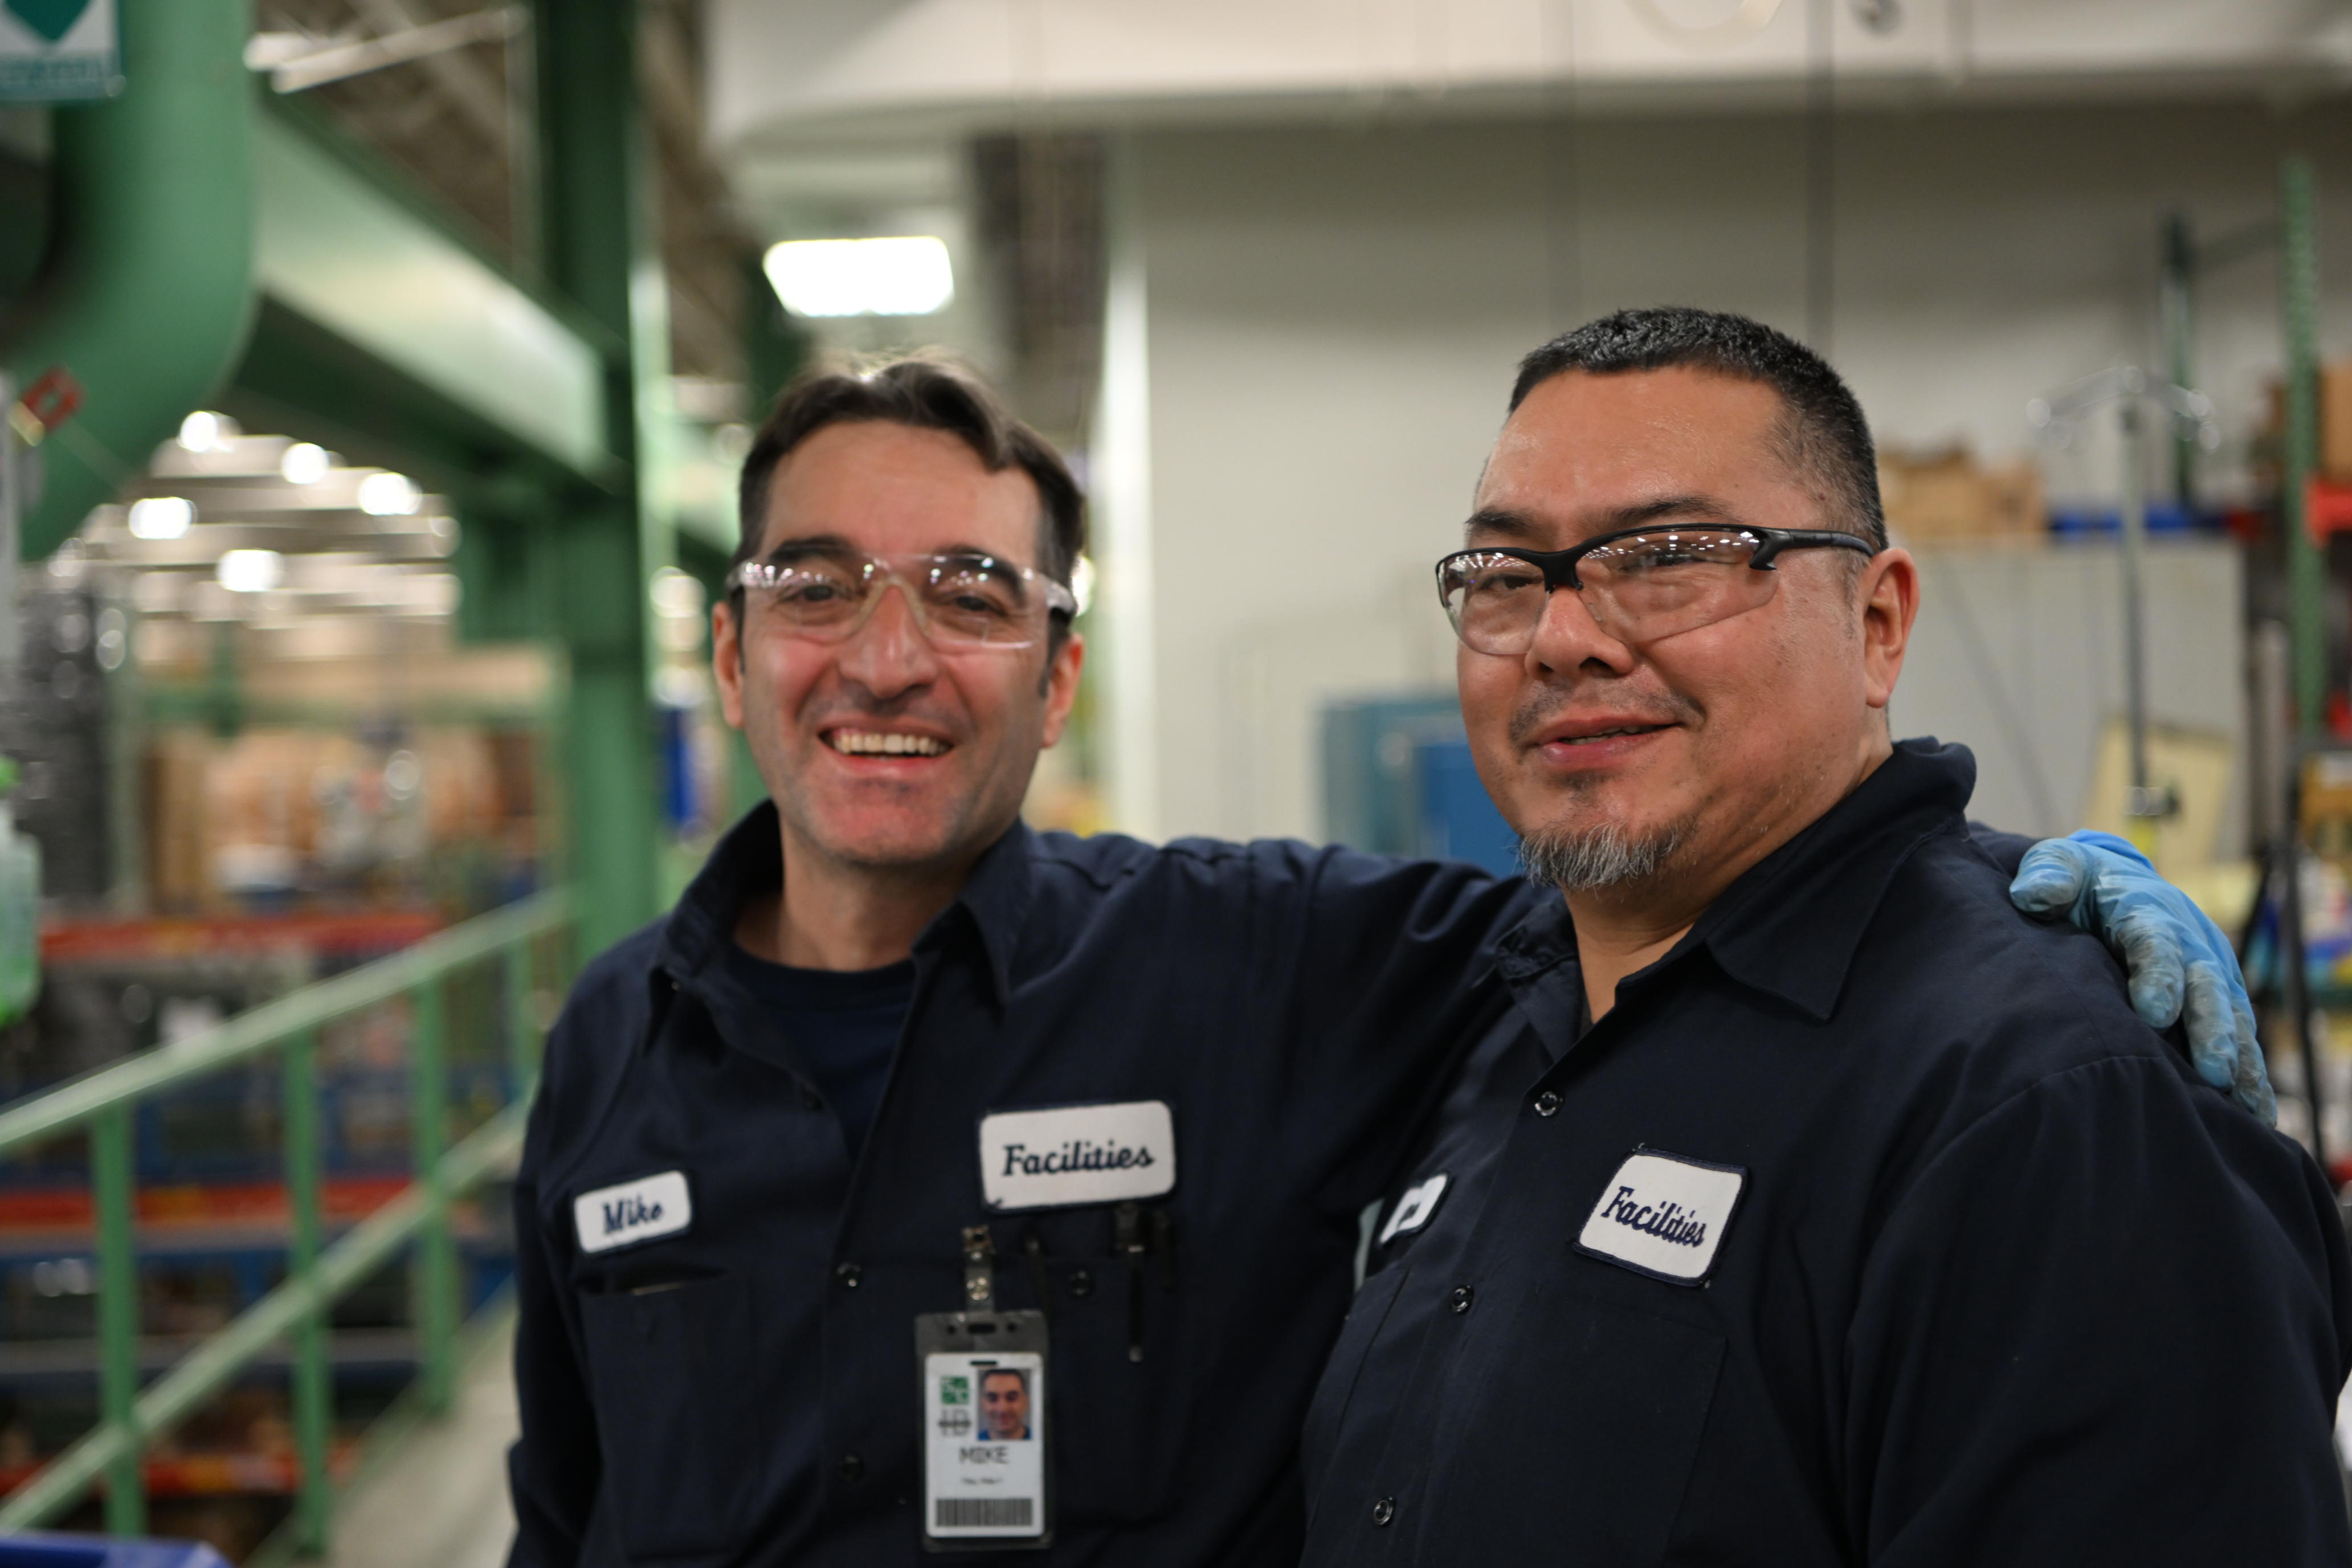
point(1637, 583)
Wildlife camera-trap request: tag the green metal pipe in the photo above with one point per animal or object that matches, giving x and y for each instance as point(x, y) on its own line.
point(147, 293)
point(2306, 574)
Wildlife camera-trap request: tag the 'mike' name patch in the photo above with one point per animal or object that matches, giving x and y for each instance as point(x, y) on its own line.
point(1664, 1215)
point(632, 1212)
point(1078, 1154)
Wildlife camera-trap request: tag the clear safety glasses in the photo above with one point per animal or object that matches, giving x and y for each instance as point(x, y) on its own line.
point(960, 599)
point(1638, 585)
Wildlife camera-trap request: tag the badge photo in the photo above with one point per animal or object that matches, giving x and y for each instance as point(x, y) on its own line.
point(1664, 1215)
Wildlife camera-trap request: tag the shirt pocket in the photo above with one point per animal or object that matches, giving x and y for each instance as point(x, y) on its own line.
point(679, 1419)
point(1584, 1432)
point(1117, 1422)
point(1328, 1417)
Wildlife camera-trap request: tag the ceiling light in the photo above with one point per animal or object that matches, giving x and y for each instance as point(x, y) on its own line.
point(389, 495)
point(203, 430)
point(252, 570)
point(305, 463)
point(906, 276)
point(160, 517)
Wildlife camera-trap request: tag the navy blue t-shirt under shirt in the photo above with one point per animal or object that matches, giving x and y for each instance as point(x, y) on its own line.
point(842, 1025)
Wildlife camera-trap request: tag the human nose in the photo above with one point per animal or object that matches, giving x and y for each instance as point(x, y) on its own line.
point(890, 652)
point(1566, 637)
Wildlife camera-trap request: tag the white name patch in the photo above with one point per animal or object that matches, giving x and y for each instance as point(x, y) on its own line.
point(1414, 1209)
point(1664, 1215)
point(1078, 1154)
point(633, 1212)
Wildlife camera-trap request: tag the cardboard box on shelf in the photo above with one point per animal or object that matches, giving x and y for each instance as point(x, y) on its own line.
point(2336, 421)
point(1948, 497)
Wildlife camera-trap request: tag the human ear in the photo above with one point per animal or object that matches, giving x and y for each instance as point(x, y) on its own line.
point(727, 661)
point(1887, 598)
point(1062, 684)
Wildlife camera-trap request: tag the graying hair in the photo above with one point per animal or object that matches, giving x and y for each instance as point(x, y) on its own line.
point(1597, 858)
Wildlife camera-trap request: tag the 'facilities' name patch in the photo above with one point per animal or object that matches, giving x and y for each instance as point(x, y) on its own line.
point(1078, 1154)
point(633, 1212)
point(1664, 1215)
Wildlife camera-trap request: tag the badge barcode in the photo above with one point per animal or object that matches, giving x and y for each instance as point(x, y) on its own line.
point(971, 1512)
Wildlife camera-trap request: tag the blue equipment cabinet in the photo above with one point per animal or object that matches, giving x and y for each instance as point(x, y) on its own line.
point(1398, 780)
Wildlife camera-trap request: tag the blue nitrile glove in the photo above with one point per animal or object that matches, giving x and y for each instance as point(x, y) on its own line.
point(2175, 956)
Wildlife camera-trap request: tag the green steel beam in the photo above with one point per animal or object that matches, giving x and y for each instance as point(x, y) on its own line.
point(208, 1369)
point(598, 251)
point(149, 288)
point(112, 1195)
point(74, 1102)
point(2307, 572)
point(433, 1271)
point(313, 1400)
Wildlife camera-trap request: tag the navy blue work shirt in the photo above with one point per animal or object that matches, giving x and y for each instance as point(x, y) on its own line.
point(844, 1026)
point(1990, 1276)
point(733, 1380)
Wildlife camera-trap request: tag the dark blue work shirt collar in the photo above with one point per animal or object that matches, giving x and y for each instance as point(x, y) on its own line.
point(1789, 925)
point(748, 861)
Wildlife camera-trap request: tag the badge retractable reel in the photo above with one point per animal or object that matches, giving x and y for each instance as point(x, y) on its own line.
point(984, 1418)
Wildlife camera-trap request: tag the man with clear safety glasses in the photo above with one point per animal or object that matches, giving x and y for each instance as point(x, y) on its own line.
point(904, 1103)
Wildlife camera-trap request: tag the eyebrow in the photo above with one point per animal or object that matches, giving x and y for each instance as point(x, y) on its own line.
point(834, 544)
point(1490, 522)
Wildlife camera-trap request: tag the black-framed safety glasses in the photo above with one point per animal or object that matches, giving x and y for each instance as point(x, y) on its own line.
point(1639, 583)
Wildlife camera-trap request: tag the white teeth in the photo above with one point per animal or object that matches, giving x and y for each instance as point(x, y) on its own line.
point(880, 743)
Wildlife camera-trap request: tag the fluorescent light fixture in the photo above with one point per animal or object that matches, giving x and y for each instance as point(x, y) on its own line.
point(906, 276)
point(304, 463)
point(160, 517)
point(252, 570)
point(389, 495)
point(203, 430)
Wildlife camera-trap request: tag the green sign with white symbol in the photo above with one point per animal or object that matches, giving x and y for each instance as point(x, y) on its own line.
point(59, 51)
point(955, 1391)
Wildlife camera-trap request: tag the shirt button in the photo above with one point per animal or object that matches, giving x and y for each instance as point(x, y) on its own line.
point(1081, 1282)
point(1547, 1103)
point(1383, 1510)
point(850, 1468)
point(850, 1274)
point(1462, 1297)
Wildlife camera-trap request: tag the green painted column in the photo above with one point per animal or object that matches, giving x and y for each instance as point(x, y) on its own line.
point(2306, 574)
point(596, 228)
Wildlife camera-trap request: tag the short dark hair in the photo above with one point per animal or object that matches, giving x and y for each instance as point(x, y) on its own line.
point(923, 393)
point(1826, 434)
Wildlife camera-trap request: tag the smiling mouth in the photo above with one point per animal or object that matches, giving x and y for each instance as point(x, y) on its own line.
point(1611, 734)
point(884, 743)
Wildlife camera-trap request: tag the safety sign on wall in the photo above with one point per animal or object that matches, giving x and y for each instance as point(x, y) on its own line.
point(57, 51)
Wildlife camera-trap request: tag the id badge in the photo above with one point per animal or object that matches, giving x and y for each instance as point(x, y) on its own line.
point(985, 1405)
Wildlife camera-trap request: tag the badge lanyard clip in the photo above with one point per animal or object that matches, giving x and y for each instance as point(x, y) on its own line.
point(979, 1270)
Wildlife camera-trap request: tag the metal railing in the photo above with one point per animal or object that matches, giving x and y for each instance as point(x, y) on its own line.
point(103, 1103)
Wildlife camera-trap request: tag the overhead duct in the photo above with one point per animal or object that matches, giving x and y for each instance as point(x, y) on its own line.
point(148, 292)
